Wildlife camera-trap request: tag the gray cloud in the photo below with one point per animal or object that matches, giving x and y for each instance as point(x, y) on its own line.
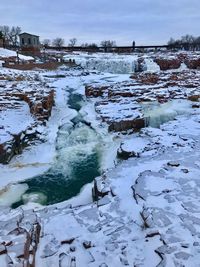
point(145, 21)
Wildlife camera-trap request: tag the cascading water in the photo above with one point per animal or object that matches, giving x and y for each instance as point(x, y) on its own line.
point(79, 151)
point(151, 66)
point(110, 63)
point(157, 114)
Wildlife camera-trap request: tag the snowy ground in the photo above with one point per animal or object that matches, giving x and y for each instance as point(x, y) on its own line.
point(5, 53)
point(146, 211)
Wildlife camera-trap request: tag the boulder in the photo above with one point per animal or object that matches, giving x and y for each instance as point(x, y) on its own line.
point(124, 125)
point(168, 64)
point(95, 91)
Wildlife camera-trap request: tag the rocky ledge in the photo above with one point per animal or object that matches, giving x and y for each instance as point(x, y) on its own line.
point(121, 105)
point(173, 61)
point(25, 104)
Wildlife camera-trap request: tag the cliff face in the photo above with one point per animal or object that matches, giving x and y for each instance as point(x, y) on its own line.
point(25, 104)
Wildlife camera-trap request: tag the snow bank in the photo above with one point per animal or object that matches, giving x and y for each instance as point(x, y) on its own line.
point(10, 53)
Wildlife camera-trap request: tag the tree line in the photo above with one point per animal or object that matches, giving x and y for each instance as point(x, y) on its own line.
point(186, 42)
point(59, 42)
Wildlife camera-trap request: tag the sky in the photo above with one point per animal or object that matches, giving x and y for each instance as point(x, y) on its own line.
point(144, 21)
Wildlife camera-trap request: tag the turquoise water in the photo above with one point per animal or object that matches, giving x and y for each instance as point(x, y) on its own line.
point(76, 164)
point(57, 187)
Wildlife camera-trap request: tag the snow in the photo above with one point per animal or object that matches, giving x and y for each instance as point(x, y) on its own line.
point(4, 53)
point(12, 193)
point(147, 205)
point(9, 117)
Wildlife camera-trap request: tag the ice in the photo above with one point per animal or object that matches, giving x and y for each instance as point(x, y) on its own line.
point(12, 193)
point(111, 63)
point(151, 65)
point(157, 114)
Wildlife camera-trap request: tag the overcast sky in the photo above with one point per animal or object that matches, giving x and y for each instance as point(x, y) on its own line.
point(145, 21)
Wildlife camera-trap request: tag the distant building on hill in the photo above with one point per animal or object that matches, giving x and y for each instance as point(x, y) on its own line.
point(29, 43)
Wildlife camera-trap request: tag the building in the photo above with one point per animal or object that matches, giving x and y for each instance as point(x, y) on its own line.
point(30, 44)
point(29, 40)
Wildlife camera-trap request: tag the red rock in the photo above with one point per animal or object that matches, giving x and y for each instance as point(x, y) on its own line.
point(168, 64)
point(123, 125)
point(95, 91)
point(193, 63)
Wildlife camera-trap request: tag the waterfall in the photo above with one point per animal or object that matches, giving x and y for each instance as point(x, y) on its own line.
point(109, 63)
point(151, 66)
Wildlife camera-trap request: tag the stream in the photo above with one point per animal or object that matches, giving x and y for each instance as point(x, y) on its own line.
point(79, 150)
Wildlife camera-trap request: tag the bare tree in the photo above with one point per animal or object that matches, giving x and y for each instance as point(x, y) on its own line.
point(13, 35)
point(58, 42)
point(107, 45)
point(72, 42)
point(46, 42)
point(92, 45)
point(171, 41)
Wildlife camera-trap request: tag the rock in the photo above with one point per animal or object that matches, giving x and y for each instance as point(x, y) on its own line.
point(196, 106)
point(123, 125)
point(194, 98)
point(192, 63)
point(131, 148)
point(146, 78)
point(72, 248)
point(2, 249)
point(173, 164)
point(100, 189)
point(87, 244)
point(168, 64)
point(95, 91)
point(68, 241)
